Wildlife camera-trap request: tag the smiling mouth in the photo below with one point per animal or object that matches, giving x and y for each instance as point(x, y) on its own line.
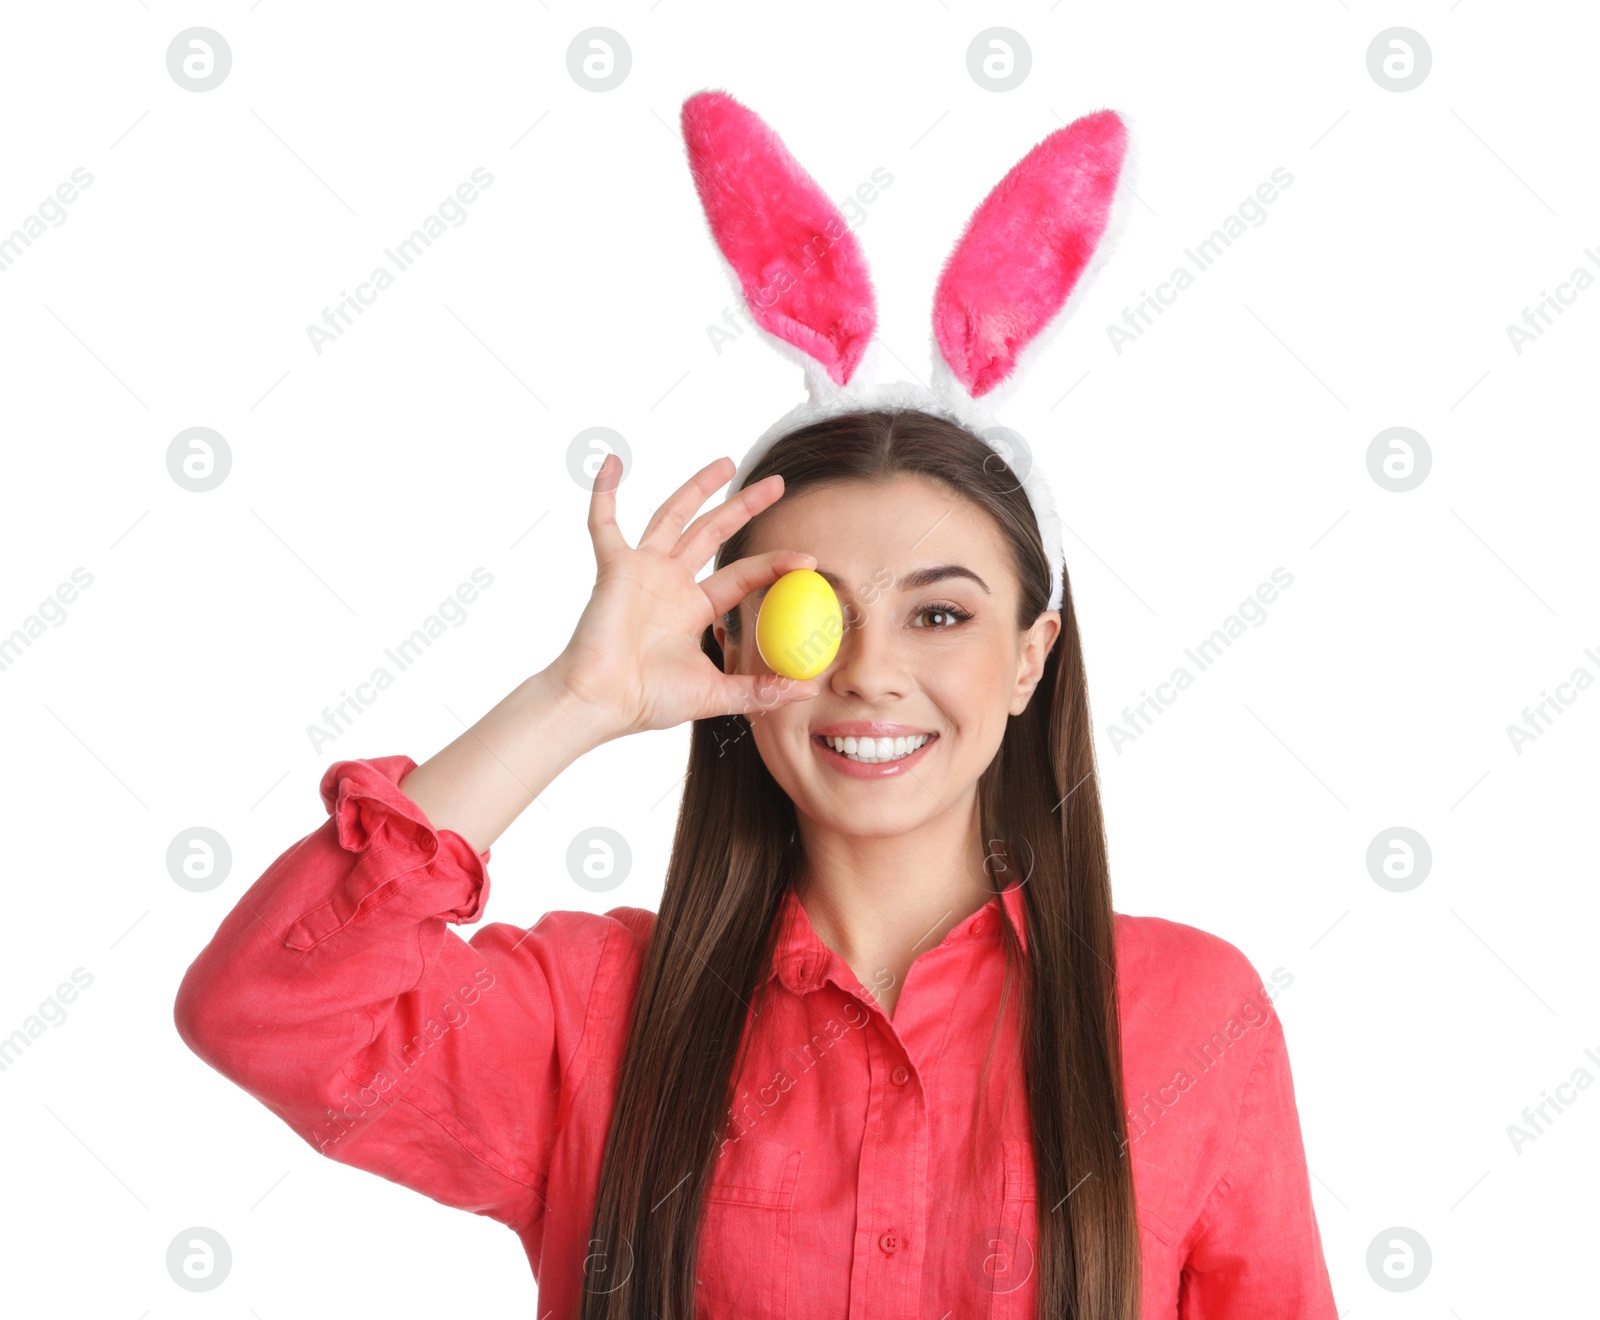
point(876, 751)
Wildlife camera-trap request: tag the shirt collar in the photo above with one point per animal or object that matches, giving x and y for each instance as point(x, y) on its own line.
point(801, 960)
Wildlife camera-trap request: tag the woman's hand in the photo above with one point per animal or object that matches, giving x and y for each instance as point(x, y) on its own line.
point(635, 654)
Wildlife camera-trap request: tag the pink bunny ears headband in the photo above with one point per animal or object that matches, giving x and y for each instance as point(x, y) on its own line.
point(803, 276)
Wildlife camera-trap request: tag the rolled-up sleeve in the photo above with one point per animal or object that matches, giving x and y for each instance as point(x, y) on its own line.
point(337, 994)
point(1258, 1251)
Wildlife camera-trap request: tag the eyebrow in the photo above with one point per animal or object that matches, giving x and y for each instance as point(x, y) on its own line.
point(913, 581)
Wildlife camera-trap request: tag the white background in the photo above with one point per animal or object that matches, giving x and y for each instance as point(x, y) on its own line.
point(369, 480)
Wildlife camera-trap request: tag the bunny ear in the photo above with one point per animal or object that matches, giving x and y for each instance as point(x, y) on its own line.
point(1024, 249)
point(799, 265)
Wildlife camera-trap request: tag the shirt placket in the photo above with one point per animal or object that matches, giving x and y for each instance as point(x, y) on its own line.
point(892, 1180)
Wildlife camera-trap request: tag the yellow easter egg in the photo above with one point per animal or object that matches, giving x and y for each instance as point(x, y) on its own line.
point(800, 624)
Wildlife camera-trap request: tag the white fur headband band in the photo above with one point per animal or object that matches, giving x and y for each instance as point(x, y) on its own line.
point(804, 278)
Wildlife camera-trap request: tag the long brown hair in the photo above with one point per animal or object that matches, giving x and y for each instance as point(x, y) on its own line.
point(734, 860)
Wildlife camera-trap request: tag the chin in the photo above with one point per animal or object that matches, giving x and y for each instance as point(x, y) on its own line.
point(875, 814)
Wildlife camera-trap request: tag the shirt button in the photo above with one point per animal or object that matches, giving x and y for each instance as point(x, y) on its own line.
point(899, 1076)
point(980, 925)
point(890, 1242)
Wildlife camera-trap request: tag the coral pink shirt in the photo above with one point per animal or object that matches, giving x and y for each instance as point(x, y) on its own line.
point(481, 1073)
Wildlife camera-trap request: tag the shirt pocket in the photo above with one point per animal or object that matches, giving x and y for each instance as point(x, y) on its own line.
point(1010, 1257)
point(1011, 1262)
point(747, 1231)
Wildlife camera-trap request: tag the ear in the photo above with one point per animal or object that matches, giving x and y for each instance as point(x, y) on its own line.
point(1036, 648)
point(1024, 248)
point(800, 267)
point(726, 643)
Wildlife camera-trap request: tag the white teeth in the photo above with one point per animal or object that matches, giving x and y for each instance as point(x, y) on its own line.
point(873, 751)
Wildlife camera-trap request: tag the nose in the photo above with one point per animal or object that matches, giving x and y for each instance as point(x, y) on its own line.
point(869, 666)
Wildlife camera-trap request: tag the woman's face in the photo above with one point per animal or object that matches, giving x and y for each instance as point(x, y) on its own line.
point(930, 647)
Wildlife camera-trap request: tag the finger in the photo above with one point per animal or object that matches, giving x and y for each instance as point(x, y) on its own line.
point(712, 528)
point(667, 525)
point(729, 585)
point(755, 694)
point(603, 529)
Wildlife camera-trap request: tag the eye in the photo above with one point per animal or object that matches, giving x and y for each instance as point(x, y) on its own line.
point(949, 611)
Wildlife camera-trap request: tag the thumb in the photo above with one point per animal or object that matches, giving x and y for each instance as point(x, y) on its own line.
point(770, 691)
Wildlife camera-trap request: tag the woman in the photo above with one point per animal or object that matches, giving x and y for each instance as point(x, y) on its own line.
point(886, 1050)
